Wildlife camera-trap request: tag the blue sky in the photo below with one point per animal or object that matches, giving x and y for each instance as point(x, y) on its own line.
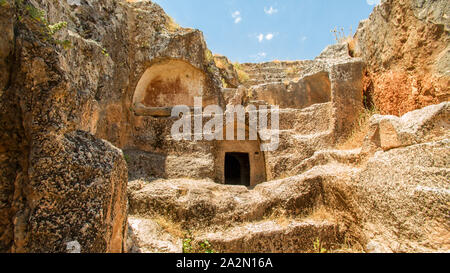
point(264, 30)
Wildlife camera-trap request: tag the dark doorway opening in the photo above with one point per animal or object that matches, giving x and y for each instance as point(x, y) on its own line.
point(237, 169)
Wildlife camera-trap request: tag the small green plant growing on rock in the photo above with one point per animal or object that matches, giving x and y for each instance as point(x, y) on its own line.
point(36, 14)
point(52, 29)
point(317, 246)
point(203, 247)
point(210, 69)
point(187, 246)
point(206, 247)
point(105, 53)
point(127, 158)
point(48, 30)
point(66, 44)
point(224, 83)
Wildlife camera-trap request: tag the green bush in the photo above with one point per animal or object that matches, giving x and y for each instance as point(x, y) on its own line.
point(38, 15)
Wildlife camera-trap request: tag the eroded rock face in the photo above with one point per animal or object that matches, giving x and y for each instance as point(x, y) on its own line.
point(79, 195)
point(406, 47)
point(404, 194)
point(403, 189)
point(59, 103)
point(6, 44)
point(427, 124)
point(62, 188)
point(227, 71)
point(235, 218)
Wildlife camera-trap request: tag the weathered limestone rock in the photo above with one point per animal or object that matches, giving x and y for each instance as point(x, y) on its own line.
point(147, 236)
point(62, 189)
point(311, 89)
point(6, 44)
point(390, 201)
point(198, 203)
point(227, 71)
point(11, 135)
point(79, 195)
point(273, 237)
point(234, 218)
point(404, 194)
point(405, 45)
point(419, 126)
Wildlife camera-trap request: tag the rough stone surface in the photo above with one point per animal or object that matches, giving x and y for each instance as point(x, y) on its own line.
point(146, 236)
point(406, 47)
point(227, 71)
point(272, 237)
point(408, 212)
point(61, 187)
point(429, 123)
point(404, 194)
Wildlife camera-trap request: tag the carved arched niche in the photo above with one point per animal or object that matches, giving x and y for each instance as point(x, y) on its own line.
point(165, 84)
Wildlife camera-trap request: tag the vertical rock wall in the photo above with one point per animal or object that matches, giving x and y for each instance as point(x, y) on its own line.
point(406, 45)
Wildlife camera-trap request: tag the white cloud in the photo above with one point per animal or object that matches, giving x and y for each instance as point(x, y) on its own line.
point(237, 17)
point(304, 38)
point(271, 10)
point(373, 2)
point(269, 36)
point(260, 37)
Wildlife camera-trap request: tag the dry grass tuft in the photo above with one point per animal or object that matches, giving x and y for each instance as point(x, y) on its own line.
point(341, 37)
point(171, 25)
point(219, 63)
point(351, 47)
point(359, 132)
point(174, 229)
point(321, 213)
point(280, 217)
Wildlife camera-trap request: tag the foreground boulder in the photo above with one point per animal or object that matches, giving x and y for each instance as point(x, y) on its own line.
point(61, 188)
